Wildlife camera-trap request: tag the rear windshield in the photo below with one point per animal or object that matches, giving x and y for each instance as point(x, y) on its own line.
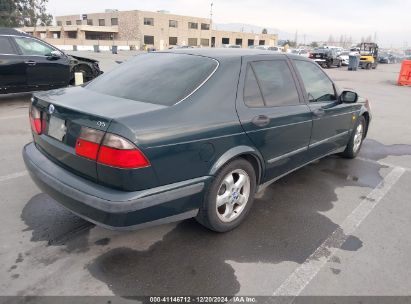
point(159, 78)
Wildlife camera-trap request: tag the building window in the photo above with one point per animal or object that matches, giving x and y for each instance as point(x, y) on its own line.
point(59, 23)
point(205, 42)
point(114, 21)
point(71, 35)
point(68, 22)
point(250, 42)
point(172, 23)
point(149, 40)
point(99, 36)
point(149, 21)
point(239, 41)
point(261, 42)
point(193, 25)
point(172, 41)
point(89, 21)
point(192, 41)
point(225, 40)
point(101, 22)
point(205, 26)
point(78, 22)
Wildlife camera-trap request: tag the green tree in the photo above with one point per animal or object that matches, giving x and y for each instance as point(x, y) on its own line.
point(9, 13)
point(314, 44)
point(15, 13)
point(290, 43)
point(34, 12)
point(264, 31)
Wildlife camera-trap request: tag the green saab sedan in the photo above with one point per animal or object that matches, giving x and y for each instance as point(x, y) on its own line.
point(187, 133)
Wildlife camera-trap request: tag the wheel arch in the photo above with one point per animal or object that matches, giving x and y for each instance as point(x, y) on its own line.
point(248, 153)
point(367, 118)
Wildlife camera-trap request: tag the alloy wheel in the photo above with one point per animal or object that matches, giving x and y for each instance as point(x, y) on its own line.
point(233, 195)
point(358, 136)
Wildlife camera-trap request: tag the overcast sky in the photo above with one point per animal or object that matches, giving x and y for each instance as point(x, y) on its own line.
point(317, 19)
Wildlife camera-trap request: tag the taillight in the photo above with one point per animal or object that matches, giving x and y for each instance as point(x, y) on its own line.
point(88, 143)
point(35, 120)
point(114, 151)
point(118, 152)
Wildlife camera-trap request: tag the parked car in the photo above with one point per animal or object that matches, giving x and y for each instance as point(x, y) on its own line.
point(30, 64)
point(385, 58)
point(300, 52)
point(275, 48)
point(181, 47)
point(345, 57)
point(266, 48)
point(231, 46)
point(326, 57)
point(215, 127)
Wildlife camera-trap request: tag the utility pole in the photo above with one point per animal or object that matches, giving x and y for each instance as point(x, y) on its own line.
point(211, 14)
point(296, 38)
point(211, 24)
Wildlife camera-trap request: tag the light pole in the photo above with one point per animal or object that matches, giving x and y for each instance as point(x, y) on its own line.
point(211, 24)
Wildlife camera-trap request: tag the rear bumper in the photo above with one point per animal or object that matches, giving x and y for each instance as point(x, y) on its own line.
point(112, 208)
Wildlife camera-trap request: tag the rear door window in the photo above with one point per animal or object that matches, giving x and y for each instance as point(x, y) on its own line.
point(252, 94)
point(6, 47)
point(159, 78)
point(276, 83)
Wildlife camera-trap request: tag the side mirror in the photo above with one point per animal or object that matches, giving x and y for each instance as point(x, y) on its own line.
point(348, 97)
point(54, 55)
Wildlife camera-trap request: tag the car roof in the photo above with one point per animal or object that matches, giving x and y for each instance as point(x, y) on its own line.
point(12, 31)
point(223, 53)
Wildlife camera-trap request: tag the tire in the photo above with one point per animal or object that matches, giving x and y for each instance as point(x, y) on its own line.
point(339, 64)
point(368, 66)
point(356, 139)
point(236, 198)
point(85, 70)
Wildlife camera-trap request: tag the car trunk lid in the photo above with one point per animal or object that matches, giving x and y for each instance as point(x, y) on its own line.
point(66, 111)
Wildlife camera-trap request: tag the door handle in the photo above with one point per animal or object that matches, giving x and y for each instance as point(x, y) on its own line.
point(261, 120)
point(30, 62)
point(319, 112)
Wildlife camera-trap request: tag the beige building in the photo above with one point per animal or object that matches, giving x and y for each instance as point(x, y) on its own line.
point(159, 30)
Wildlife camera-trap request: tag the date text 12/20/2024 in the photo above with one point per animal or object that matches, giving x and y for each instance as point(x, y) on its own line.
point(203, 299)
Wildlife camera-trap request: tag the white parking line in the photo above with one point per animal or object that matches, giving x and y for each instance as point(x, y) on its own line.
point(12, 176)
point(382, 163)
point(15, 116)
point(303, 275)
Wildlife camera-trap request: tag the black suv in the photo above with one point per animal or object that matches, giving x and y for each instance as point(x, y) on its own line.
point(326, 57)
point(30, 64)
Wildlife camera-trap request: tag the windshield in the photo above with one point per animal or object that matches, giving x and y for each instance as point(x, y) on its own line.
point(159, 78)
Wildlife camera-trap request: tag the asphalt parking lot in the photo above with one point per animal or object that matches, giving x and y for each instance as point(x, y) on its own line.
point(335, 227)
